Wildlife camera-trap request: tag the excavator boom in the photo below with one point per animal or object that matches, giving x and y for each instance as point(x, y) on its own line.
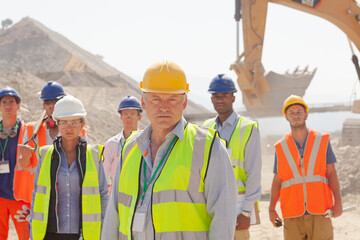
point(267, 92)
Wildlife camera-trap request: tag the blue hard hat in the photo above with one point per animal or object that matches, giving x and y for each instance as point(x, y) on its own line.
point(8, 91)
point(129, 102)
point(52, 90)
point(222, 83)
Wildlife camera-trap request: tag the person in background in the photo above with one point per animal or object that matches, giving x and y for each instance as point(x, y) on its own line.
point(12, 202)
point(70, 194)
point(130, 114)
point(47, 132)
point(305, 178)
point(243, 144)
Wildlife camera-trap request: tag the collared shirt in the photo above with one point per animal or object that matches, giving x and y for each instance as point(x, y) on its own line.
point(7, 179)
point(69, 194)
point(330, 156)
point(112, 153)
point(252, 160)
point(220, 190)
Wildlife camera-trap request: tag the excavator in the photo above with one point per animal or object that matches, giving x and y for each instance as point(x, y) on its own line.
point(266, 93)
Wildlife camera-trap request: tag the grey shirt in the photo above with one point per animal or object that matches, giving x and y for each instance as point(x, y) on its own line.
point(252, 161)
point(220, 189)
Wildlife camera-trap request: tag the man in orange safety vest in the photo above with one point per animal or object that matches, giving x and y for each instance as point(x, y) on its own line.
point(305, 178)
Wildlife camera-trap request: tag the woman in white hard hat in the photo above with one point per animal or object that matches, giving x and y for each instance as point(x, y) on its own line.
point(70, 195)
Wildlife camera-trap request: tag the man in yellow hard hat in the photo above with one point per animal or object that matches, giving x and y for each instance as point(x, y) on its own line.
point(175, 180)
point(305, 178)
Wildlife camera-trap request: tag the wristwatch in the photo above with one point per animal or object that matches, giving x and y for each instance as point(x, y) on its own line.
point(246, 214)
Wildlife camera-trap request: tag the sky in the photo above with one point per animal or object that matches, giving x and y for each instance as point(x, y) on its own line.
point(200, 36)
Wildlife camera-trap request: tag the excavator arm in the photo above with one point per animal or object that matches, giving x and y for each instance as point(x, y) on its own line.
point(263, 93)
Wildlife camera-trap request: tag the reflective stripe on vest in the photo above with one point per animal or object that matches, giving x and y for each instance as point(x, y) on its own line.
point(304, 182)
point(236, 148)
point(178, 191)
point(91, 204)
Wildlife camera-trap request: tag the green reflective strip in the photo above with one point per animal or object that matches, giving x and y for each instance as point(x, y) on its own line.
point(174, 195)
point(183, 235)
point(41, 189)
point(90, 217)
point(124, 199)
point(90, 190)
point(37, 216)
point(308, 179)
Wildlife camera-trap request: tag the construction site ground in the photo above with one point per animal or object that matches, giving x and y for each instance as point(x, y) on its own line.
point(345, 227)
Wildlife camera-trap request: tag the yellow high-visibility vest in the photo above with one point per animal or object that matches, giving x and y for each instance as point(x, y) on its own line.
point(236, 147)
point(91, 203)
point(178, 200)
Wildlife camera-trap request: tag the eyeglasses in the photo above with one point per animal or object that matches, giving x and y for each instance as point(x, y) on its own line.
point(74, 123)
point(51, 101)
point(8, 102)
point(130, 115)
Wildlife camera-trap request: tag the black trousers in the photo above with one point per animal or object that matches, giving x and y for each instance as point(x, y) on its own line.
point(62, 236)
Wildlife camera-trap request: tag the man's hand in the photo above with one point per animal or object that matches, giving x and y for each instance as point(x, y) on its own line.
point(25, 155)
point(242, 222)
point(273, 216)
point(337, 209)
point(23, 215)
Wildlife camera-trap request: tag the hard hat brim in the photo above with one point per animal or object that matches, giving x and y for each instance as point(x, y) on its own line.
point(69, 117)
point(166, 91)
point(285, 108)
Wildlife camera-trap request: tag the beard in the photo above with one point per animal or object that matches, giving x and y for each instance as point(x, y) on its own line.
point(298, 125)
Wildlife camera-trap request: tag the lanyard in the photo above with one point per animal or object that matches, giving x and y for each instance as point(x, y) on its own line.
point(3, 149)
point(156, 170)
point(121, 145)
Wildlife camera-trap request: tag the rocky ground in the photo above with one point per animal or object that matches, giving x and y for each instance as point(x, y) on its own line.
point(345, 227)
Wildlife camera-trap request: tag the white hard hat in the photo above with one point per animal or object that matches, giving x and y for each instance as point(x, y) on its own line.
point(68, 107)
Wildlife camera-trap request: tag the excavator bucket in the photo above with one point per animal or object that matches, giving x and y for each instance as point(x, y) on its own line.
point(279, 87)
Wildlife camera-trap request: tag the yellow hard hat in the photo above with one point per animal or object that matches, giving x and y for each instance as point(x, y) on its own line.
point(164, 77)
point(292, 100)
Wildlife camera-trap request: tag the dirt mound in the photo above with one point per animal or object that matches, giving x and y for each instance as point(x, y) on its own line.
point(31, 54)
point(348, 168)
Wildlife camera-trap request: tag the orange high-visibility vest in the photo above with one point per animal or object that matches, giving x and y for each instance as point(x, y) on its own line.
point(304, 183)
point(23, 178)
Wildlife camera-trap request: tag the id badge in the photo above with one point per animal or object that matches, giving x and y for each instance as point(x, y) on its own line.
point(4, 166)
point(139, 222)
